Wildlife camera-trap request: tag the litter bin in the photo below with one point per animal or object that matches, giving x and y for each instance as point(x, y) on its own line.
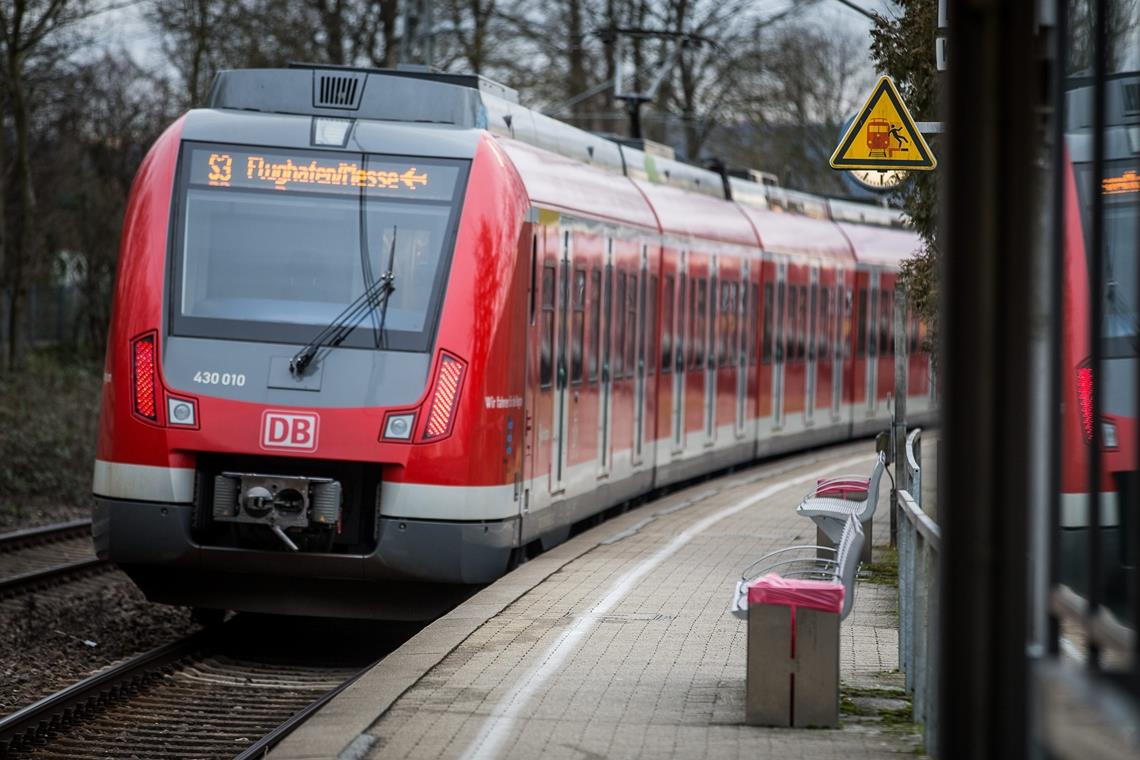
point(793, 652)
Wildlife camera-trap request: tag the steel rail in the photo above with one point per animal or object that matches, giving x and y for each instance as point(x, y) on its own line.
point(19, 539)
point(24, 581)
point(56, 710)
point(262, 746)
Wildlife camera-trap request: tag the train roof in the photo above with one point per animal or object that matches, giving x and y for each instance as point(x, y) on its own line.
point(880, 245)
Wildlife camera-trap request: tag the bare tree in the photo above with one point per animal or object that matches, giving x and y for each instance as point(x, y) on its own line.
point(33, 37)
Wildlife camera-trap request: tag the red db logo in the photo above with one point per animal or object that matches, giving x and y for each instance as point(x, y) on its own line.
point(289, 430)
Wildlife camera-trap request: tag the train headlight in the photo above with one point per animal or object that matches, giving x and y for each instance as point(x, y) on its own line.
point(1108, 430)
point(399, 426)
point(181, 411)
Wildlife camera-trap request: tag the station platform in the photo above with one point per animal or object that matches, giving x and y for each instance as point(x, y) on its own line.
point(619, 643)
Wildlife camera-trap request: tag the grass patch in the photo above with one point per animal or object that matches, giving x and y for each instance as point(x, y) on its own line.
point(885, 571)
point(49, 415)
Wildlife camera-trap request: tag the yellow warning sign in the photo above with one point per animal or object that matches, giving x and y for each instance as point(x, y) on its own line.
point(883, 136)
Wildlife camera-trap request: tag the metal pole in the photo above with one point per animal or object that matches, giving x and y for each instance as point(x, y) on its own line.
point(902, 468)
point(989, 227)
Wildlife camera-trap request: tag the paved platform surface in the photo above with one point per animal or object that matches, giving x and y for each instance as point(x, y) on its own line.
point(619, 644)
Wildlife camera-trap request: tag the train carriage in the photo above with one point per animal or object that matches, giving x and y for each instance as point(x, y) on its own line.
point(379, 335)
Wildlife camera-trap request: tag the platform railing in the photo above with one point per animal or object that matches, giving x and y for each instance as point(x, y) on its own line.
point(919, 545)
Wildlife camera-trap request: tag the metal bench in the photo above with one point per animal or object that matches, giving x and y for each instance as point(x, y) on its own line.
point(830, 514)
point(842, 567)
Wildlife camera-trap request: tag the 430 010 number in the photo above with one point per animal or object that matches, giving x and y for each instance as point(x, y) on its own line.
point(219, 378)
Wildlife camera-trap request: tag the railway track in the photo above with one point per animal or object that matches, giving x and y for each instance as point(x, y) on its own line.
point(39, 557)
point(226, 692)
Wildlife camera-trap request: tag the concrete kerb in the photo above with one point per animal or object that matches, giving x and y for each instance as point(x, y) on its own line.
point(337, 730)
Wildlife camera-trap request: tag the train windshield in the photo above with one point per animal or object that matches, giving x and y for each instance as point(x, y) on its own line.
point(1120, 188)
point(274, 244)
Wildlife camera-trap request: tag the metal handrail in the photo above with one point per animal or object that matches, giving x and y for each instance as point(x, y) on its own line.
point(919, 544)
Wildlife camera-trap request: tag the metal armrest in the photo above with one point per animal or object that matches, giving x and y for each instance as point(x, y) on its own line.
point(818, 563)
point(769, 555)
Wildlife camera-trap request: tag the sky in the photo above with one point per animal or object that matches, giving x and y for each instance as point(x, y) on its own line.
point(126, 28)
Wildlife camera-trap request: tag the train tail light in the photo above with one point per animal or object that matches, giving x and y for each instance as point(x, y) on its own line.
point(445, 397)
point(144, 377)
point(1085, 400)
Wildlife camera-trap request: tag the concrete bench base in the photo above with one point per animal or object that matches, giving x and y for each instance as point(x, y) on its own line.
point(786, 690)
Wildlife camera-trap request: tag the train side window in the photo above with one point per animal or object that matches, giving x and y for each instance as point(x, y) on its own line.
point(793, 311)
point(533, 276)
point(803, 332)
point(861, 330)
point(710, 351)
point(679, 343)
point(546, 354)
point(667, 325)
point(825, 323)
point(578, 327)
point(813, 333)
point(766, 348)
point(619, 323)
point(595, 347)
point(740, 318)
point(885, 324)
point(651, 325)
point(631, 326)
point(693, 339)
point(872, 322)
point(751, 316)
point(701, 340)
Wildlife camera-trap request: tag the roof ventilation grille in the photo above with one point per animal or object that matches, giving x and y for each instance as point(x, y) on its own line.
point(342, 91)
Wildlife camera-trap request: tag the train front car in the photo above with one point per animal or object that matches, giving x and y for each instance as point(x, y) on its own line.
point(309, 394)
point(1115, 377)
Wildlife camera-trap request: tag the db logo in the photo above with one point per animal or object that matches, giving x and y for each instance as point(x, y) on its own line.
point(289, 430)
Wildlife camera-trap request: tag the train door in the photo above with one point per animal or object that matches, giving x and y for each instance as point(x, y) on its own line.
point(561, 370)
point(679, 350)
point(710, 364)
point(639, 336)
point(779, 354)
point(810, 325)
point(872, 321)
point(533, 372)
point(839, 344)
point(606, 389)
point(696, 382)
point(741, 341)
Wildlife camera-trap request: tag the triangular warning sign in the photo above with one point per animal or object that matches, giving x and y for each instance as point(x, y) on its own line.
point(883, 136)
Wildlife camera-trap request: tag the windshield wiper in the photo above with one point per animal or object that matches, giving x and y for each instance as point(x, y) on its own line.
point(375, 295)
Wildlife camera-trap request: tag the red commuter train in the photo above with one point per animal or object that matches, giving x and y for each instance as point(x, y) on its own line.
point(1119, 186)
point(377, 335)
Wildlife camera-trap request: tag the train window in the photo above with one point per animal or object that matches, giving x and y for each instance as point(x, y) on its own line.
point(740, 343)
point(793, 311)
point(595, 347)
point(533, 275)
point(714, 311)
point(723, 323)
point(546, 353)
point(885, 324)
point(754, 305)
point(693, 339)
point(247, 243)
point(578, 328)
point(608, 316)
point(861, 330)
point(619, 323)
point(679, 337)
point(842, 349)
point(651, 324)
point(631, 326)
point(667, 326)
point(766, 348)
point(700, 340)
point(825, 323)
point(813, 333)
point(872, 321)
point(801, 342)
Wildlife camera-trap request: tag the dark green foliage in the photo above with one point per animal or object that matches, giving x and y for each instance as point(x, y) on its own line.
point(48, 418)
point(903, 48)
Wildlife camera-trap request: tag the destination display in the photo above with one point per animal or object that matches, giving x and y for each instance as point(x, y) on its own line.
point(218, 166)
